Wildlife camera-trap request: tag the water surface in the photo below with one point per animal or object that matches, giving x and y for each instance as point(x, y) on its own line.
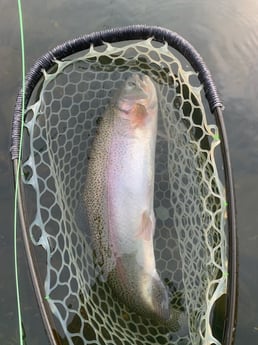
point(225, 34)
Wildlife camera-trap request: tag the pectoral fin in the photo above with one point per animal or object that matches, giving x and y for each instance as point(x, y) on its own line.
point(146, 229)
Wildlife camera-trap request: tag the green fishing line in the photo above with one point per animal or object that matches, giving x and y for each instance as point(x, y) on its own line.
point(17, 177)
point(216, 137)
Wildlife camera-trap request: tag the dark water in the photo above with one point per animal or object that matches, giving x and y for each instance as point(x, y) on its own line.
point(225, 34)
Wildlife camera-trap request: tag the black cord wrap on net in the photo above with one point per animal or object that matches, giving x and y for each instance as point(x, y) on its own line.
point(112, 35)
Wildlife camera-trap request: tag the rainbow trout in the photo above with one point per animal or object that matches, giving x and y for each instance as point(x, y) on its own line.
point(119, 198)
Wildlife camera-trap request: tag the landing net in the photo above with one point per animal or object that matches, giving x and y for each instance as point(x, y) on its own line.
point(190, 203)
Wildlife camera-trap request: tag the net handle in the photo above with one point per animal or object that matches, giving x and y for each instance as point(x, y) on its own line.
point(132, 32)
point(47, 317)
point(231, 301)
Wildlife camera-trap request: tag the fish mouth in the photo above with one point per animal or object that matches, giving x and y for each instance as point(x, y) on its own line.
point(139, 92)
point(139, 84)
point(141, 78)
point(143, 82)
point(150, 91)
point(147, 88)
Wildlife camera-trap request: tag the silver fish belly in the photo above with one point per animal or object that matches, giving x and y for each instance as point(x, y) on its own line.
point(119, 199)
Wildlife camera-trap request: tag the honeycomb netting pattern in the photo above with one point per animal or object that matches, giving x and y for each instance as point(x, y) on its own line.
point(190, 239)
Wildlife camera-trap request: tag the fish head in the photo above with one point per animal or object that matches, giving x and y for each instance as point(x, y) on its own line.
point(137, 101)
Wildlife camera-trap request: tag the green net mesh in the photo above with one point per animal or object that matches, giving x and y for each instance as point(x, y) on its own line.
point(189, 201)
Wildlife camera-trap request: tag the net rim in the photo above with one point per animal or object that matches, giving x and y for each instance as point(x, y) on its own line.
point(188, 51)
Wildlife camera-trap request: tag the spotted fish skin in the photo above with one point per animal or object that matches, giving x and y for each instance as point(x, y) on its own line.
point(119, 198)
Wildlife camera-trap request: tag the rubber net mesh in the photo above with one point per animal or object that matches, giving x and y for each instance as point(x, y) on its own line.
point(189, 205)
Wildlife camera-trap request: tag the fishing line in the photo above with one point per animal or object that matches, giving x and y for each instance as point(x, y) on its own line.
point(17, 177)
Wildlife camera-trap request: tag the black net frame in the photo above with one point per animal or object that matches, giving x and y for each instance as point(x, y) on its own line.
point(177, 42)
